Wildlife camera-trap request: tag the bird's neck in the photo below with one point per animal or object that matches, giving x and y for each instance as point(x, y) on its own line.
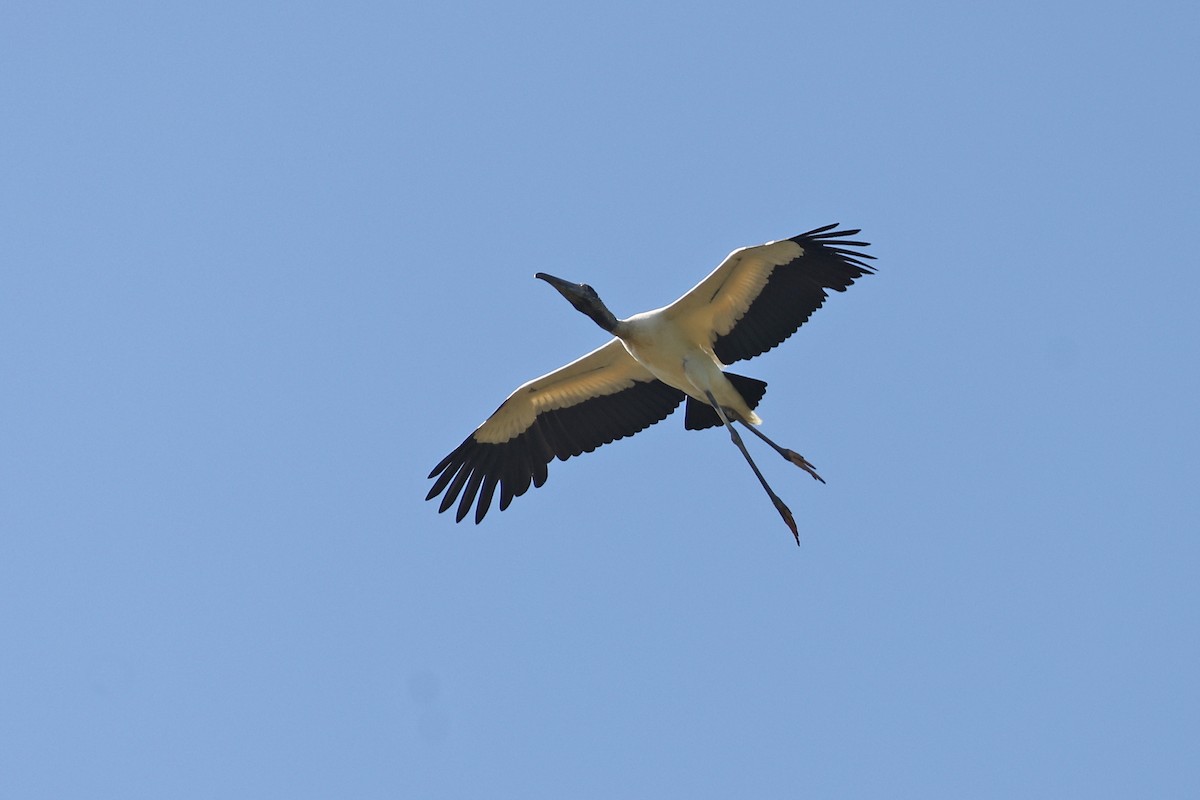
point(601, 316)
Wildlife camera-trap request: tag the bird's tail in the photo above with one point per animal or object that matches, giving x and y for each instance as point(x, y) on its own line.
point(701, 415)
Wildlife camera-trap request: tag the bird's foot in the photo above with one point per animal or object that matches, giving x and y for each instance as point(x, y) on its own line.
point(802, 462)
point(786, 513)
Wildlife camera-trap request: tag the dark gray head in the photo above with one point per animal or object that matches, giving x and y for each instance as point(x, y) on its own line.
point(584, 298)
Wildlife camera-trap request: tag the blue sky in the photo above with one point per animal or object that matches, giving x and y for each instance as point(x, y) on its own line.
point(264, 264)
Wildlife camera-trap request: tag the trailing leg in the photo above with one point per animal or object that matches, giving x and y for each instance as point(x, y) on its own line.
point(791, 455)
point(780, 506)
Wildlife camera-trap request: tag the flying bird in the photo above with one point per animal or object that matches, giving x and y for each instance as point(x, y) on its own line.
point(753, 301)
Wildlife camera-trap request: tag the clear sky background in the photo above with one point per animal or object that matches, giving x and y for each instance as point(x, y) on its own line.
point(264, 264)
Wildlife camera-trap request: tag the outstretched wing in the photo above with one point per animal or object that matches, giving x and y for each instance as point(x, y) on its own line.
point(759, 296)
point(599, 398)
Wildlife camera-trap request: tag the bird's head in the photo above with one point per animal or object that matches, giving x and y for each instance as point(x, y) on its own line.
point(584, 299)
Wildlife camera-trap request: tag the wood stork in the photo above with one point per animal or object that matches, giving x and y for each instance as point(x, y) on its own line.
point(756, 298)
